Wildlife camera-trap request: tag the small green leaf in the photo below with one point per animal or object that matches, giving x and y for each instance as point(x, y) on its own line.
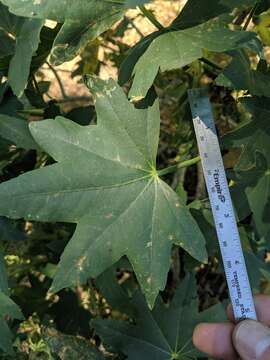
point(16, 131)
point(23, 35)
point(196, 12)
point(252, 172)
point(239, 75)
point(26, 45)
point(164, 333)
point(106, 182)
point(127, 66)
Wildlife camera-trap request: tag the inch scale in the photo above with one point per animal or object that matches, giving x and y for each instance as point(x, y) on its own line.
point(222, 207)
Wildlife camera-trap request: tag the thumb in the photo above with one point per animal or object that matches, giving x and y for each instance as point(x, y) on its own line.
point(251, 340)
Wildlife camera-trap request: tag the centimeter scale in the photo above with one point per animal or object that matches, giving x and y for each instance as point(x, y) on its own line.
point(222, 207)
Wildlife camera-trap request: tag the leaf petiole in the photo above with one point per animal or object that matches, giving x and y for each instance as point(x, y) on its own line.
point(151, 17)
point(180, 165)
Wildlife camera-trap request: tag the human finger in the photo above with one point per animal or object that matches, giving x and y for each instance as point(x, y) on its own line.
point(215, 339)
point(251, 339)
point(262, 305)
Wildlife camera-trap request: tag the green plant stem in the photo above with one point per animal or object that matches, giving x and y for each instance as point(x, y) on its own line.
point(61, 86)
point(131, 22)
point(36, 85)
point(181, 165)
point(210, 63)
point(151, 17)
point(250, 15)
point(36, 112)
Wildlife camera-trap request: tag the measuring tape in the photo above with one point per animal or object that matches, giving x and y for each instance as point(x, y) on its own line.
point(222, 207)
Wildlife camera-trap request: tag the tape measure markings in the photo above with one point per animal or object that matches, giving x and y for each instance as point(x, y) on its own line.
point(222, 207)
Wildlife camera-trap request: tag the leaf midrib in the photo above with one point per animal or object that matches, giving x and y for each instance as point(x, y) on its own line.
point(86, 189)
point(78, 145)
point(139, 340)
point(86, 250)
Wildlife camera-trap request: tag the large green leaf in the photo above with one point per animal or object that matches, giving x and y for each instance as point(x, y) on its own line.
point(106, 182)
point(239, 75)
point(179, 48)
point(82, 20)
point(164, 333)
point(253, 167)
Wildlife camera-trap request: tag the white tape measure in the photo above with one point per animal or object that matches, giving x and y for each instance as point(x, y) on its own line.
point(222, 208)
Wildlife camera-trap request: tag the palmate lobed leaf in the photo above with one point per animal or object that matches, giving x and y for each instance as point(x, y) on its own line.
point(162, 334)
point(176, 49)
point(106, 182)
point(82, 20)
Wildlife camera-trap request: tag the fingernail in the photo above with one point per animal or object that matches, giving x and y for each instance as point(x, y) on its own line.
point(252, 340)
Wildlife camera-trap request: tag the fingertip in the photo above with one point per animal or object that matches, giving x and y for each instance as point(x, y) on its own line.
point(215, 340)
point(262, 305)
point(230, 314)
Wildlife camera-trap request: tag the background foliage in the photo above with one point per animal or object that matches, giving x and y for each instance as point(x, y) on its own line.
point(108, 248)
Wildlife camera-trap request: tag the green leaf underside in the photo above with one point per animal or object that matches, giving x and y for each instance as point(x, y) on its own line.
point(26, 45)
point(196, 12)
point(16, 131)
point(3, 276)
point(179, 48)
point(82, 20)
point(253, 167)
point(163, 334)
point(239, 75)
point(258, 269)
point(9, 232)
point(10, 26)
point(7, 308)
point(22, 37)
point(105, 181)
